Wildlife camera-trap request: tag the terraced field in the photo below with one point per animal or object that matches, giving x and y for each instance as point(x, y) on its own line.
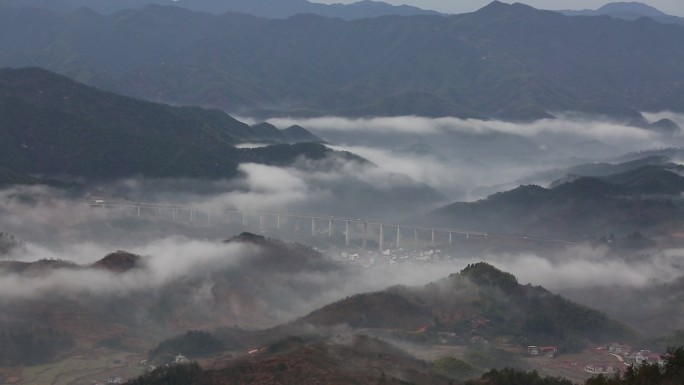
point(92, 369)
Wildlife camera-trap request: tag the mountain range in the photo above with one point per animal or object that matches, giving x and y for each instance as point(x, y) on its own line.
point(278, 9)
point(628, 11)
point(54, 126)
point(619, 199)
point(502, 61)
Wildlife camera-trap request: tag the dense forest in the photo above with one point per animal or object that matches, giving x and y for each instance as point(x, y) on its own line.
point(192, 344)
point(20, 345)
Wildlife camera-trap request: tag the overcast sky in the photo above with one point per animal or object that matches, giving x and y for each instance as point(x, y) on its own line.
point(673, 7)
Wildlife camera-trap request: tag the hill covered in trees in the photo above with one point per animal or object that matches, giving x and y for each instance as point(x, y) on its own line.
point(53, 126)
point(642, 199)
point(479, 301)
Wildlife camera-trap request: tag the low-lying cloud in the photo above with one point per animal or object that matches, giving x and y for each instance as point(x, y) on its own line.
point(565, 126)
point(585, 266)
point(167, 260)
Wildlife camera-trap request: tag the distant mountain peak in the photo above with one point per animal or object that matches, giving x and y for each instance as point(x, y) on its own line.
point(120, 262)
point(632, 6)
point(628, 11)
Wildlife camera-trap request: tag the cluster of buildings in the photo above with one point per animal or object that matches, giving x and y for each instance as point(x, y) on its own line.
point(628, 357)
point(393, 257)
point(549, 351)
point(634, 357)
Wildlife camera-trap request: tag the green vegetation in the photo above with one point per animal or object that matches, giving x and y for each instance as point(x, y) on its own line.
point(516, 377)
point(25, 345)
point(174, 375)
point(192, 344)
point(485, 274)
point(454, 368)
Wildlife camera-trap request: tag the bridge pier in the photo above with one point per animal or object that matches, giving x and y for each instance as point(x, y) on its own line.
point(381, 241)
point(138, 211)
point(347, 235)
point(433, 237)
point(398, 235)
point(415, 239)
point(192, 216)
point(278, 222)
point(451, 237)
point(365, 235)
point(313, 226)
point(330, 228)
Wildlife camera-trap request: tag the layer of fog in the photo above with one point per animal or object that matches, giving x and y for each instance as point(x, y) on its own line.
point(582, 266)
point(333, 186)
point(459, 157)
point(175, 258)
point(169, 259)
point(469, 159)
point(56, 226)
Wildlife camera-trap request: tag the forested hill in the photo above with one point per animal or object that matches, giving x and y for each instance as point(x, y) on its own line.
point(644, 199)
point(502, 61)
point(51, 125)
point(480, 300)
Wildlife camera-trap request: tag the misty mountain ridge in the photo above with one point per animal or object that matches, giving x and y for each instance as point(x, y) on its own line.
point(480, 300)
point(628, 11)
point(476, 65)
point(248, 285)
point(55, 129)
point(481, 303)
point(275, 9)
point(266, 132)
point(597, 169)
point(645, 199)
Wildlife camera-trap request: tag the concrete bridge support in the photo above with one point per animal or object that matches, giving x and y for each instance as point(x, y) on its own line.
point(415, 239)
point(433, 238)
point(381, 241)
point(278, 222)
point(398, 235)
point(330, 228)
point(347, 234)
point(313, 226)
point(365, 234)
point(451, 237)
